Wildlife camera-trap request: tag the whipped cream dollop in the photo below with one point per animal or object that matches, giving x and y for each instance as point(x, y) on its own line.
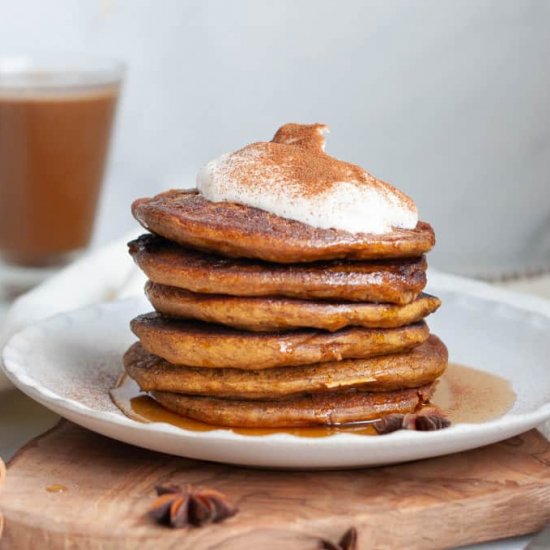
point(292, 176)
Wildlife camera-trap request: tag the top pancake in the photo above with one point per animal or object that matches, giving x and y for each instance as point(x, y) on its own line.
point(230, 229)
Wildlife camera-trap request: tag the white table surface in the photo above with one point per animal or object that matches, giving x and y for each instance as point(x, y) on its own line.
point(22, 419)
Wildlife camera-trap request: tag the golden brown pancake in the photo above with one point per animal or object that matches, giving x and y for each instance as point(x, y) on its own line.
point(274, 313)
point(395, 281)
point(197, 344)
point(318, 408)
point(230, 229)
point(411, 369)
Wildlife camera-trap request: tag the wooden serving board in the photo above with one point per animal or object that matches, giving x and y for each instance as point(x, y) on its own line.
point(484, 494)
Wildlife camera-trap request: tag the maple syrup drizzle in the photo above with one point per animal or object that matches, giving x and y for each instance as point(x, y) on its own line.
point(463, 393)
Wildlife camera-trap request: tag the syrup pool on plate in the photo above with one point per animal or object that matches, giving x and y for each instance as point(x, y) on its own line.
point(463, 393)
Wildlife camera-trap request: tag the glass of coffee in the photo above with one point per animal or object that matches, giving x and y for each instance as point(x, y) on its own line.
point(56, 115)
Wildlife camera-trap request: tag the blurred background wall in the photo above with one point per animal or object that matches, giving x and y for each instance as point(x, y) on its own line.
point(447, 99)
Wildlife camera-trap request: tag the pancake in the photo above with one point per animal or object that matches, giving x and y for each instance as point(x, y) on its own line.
point(308, 410)
point(396, 281)
point(197, 344)
point(274, 313)
point(230, 229)
point(412, 369)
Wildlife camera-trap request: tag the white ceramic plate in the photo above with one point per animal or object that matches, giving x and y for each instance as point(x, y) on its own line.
point(69, 362)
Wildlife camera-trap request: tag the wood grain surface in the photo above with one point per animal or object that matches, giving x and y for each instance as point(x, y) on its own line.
point(484, 494)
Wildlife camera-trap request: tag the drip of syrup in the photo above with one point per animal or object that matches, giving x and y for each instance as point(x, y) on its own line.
point(464, 394)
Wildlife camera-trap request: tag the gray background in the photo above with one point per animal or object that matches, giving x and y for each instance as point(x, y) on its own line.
point(446, 99)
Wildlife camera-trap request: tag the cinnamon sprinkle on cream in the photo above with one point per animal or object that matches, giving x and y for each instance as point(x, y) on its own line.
point(293, 177)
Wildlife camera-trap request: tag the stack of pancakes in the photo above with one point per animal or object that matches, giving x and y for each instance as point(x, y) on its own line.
point(262, 321)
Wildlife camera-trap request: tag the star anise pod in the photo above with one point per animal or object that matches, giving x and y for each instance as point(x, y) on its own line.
point(389, 423)
point(347, 542)
point(426, 420)
point(177, 506)
point(409, 421)
point(429, 421)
